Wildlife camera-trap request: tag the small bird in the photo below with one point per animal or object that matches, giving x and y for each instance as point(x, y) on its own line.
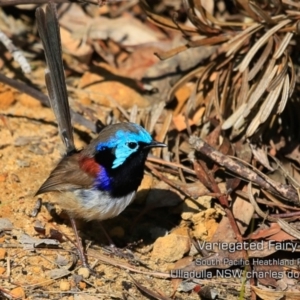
point(100, 181)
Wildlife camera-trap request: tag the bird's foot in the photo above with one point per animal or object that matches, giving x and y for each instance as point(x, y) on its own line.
point(122, 253)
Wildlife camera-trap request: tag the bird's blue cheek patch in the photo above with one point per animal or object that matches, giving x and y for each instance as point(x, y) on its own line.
point(103, 181)
point(121, 153)
point(118, 142)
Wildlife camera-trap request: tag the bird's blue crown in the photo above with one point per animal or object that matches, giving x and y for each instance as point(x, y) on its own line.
point(125, 142)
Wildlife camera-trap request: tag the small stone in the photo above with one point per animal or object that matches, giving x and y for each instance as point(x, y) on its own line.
point(188, 209)
point(84, 272)
point(2, 270)
point(2, 253)
point(205, 224)
point(5, 224)
point(204, 201)
point(117, 231)
point(18, 293)
point(82, 285)
point(172, 247)
point(64, 285)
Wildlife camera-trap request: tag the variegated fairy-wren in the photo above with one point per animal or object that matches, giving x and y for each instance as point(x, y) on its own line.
point(100, 181)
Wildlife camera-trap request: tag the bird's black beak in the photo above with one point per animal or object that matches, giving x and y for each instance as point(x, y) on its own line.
point(155, 144)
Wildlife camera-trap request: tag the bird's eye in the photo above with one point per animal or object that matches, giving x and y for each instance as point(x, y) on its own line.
point(132, 145)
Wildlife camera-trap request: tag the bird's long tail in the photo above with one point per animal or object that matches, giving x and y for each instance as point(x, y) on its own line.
point(54, 75)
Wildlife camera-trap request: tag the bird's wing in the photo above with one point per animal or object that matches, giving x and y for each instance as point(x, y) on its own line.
point(67, 176)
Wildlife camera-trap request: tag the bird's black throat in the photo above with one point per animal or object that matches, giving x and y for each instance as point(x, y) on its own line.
point(127, 177)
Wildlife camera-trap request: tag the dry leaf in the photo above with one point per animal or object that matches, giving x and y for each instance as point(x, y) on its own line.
point(265, 294)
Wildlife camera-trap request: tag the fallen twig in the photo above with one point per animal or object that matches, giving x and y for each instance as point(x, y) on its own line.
point(15, 52)
point(283, 190)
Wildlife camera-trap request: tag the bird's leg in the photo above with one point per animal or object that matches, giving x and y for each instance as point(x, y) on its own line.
point(79, 244)
point(80, 249)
